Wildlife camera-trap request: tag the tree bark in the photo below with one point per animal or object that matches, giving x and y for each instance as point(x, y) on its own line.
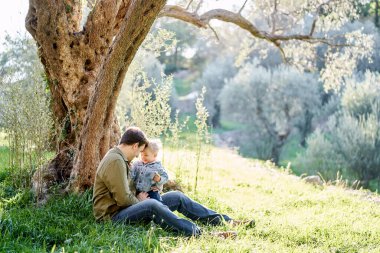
point(85, 68)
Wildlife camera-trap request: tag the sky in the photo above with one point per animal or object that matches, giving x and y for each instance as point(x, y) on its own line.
point(12, 17)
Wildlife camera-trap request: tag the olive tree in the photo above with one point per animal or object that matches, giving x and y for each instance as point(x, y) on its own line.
point(350, 141)
point(271, 103)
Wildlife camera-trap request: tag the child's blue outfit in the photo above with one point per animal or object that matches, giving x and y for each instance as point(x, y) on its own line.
point(142, 174)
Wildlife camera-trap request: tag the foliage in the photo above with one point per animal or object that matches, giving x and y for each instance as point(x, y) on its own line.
point(351, 140)
point(360, 96)
point(320, 158)
point(325, 20)
point(174, 140)
point(151, 111)
point(176, 58)
point(271, 104)
point(203, 136)
point(24, 107)
point(144, 77)
point(214, 76)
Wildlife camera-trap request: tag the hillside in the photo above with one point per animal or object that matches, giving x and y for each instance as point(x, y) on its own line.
point(291, 216)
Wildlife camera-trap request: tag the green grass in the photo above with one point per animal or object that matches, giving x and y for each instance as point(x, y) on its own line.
point(3, 141)
point(182, 87)
point(291, 216)
point(227, 125)
point(290, 151)
point(4, 156)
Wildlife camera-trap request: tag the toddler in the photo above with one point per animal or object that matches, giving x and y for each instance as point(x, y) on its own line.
point(148, 173)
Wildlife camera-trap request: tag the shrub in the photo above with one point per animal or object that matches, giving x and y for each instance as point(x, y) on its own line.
point(351, 140)
point(272, 104)
point(24, 109)
point(319, 157)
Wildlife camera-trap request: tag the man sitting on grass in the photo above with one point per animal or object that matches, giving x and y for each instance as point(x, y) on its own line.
point(114, 195)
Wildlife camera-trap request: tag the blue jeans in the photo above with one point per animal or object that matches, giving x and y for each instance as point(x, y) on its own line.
point(154, 195)
point(162, 213)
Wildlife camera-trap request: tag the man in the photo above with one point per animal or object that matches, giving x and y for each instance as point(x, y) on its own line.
point(114, 194)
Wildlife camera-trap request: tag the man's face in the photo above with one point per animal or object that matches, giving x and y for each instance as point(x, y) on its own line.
point(138, 149)
point(148, 156)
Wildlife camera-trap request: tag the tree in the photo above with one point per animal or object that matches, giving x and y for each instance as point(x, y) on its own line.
point(185, 37)
point(213, 78)
point(271, 104)
point(85, 66)
point(349, 141)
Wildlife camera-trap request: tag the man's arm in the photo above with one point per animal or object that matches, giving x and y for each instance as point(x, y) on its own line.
point(116, 179)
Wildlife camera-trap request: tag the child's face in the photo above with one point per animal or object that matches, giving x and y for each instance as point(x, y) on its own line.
point(148, 156)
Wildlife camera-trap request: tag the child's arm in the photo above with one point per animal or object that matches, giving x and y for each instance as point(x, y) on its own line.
point(163, 176)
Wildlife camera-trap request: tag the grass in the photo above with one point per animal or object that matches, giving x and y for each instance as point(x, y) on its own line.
point(291, 216)
point(290, 151)
point(3, 141)
point(182, 86)
point(4, 156)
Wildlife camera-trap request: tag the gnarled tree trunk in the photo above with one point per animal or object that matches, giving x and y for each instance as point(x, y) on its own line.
point(85, 68)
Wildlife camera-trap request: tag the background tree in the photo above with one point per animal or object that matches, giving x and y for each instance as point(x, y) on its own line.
point(270, 103)
point(86, 65)
point(349, 142)
point(185, 36)
point(214, 76)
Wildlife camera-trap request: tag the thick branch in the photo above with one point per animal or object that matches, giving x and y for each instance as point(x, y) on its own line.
point(235, 18)
point(98, 28)
point(73, 9)
point(123, 8)
point(47, 21)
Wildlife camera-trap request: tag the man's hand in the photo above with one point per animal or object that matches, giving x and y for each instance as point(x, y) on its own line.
point(142, 196)
point(154, 188)
point(157, 177)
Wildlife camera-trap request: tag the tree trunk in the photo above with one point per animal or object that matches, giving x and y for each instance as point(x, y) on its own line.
point(277, 148)
point(85, 68)
point(377, 13)
point(215, 120)
point(306, 128)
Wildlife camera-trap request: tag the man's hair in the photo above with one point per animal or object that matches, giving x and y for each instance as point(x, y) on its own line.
point(133, 135)
point(154, 145)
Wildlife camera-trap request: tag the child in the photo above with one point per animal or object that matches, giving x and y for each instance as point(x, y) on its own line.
point(148, 174)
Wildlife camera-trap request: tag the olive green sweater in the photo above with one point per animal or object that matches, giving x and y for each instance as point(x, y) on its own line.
point(113, 188)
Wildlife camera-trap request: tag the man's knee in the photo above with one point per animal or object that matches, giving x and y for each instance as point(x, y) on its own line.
point(154, 204)
point(175, 195)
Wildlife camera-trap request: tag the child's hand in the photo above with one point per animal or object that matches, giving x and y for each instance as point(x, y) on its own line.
point(157, 177)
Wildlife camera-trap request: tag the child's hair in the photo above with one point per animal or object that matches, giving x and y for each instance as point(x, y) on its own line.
point(154, 145)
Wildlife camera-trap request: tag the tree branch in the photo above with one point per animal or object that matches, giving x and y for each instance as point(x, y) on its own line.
point(198, 6)
point(215, 33)
point(101, 20)
point(318, 13)
point(189, 4)
point(203, 20)
point(73, 9)
point(48, 23)
point(121, 15)
point(241, 9)
point(273, 17)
